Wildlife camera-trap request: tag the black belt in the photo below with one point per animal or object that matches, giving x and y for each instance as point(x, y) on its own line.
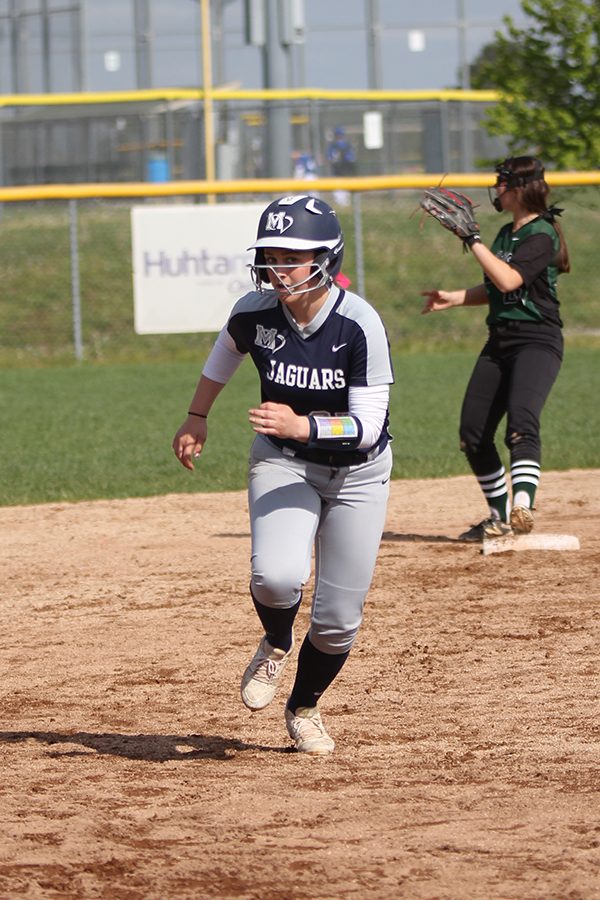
point(335, 460)
point(523, 325)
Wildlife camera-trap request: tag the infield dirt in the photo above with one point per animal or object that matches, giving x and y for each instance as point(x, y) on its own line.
point(467, 718)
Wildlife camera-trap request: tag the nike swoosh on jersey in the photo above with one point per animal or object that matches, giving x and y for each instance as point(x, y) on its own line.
point(335, 348)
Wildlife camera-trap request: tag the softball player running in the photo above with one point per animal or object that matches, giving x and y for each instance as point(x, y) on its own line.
point(320, 463)
point(523, 354)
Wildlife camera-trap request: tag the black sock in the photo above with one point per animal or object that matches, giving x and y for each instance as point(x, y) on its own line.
point(277, 623)
point(316, 671)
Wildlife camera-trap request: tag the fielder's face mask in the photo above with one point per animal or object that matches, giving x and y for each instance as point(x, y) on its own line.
point(507, 177)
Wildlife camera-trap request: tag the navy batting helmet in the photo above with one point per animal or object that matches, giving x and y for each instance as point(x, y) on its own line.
point(300, 222)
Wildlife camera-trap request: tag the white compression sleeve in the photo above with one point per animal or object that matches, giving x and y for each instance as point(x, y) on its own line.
point(369, 404)
point(223, 360)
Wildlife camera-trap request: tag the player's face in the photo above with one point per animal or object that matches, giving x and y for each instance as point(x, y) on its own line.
point(290, 269)
point(507, 197)
point(501, 189)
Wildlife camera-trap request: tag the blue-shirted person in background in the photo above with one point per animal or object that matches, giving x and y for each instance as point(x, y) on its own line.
point(341, 157)
point(341, 154)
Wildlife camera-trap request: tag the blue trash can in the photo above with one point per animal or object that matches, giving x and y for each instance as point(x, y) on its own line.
point(158, 168)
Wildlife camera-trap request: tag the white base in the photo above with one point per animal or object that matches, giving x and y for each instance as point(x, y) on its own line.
point(530, 542)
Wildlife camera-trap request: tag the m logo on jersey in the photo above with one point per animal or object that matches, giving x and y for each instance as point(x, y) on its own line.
point(268, 338)
point(278, 221)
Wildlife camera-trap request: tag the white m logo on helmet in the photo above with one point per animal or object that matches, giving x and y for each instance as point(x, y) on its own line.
point(278, 221)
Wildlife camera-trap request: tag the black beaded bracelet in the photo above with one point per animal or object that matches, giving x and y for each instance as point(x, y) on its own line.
point(199, 415)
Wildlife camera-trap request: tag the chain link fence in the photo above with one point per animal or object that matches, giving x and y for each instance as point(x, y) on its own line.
point(66, 269)
point(163, 140)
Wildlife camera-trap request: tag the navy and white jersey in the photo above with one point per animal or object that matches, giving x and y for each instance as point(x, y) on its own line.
point(312, 368)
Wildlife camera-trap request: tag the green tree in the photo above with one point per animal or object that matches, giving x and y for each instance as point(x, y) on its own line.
point(548, 76)
point(482, 71)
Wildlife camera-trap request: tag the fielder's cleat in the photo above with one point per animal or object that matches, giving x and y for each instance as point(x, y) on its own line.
point(261, 678)
point(486, 528)
point(306, 729)
point(521, 519)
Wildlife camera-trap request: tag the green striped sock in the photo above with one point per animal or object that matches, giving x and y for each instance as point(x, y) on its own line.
point(525, 478)
point(495, 491)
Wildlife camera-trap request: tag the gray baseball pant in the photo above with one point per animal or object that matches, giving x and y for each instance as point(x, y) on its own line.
point(295, 505)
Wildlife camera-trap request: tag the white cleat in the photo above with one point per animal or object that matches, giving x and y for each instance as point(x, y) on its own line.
point(306, 729)
point(261, 678)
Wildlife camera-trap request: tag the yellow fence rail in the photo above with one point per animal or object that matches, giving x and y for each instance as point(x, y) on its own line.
point(271, 186)
point(230, 94)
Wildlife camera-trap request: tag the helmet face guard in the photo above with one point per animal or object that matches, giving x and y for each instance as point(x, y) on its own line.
point(506, 175)
point(319, 269)
point(299, 222)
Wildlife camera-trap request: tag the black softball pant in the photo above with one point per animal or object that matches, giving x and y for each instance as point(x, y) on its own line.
point(513, 375)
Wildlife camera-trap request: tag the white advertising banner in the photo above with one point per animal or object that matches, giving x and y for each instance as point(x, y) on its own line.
point(190, 264)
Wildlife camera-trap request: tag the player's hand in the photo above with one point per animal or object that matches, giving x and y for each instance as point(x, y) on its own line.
point(439, 300)
point(280, 421)
point(190, 440)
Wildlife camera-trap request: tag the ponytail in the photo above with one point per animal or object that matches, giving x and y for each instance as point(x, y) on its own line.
point(525, 174)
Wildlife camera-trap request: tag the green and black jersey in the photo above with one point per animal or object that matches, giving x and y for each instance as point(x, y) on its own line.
point(532, 252)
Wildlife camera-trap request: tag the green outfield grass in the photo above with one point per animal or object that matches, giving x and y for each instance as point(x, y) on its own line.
point(77, 433)
point(103, 428)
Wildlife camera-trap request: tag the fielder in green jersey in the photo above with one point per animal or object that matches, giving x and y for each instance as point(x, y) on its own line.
point(522, 356)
